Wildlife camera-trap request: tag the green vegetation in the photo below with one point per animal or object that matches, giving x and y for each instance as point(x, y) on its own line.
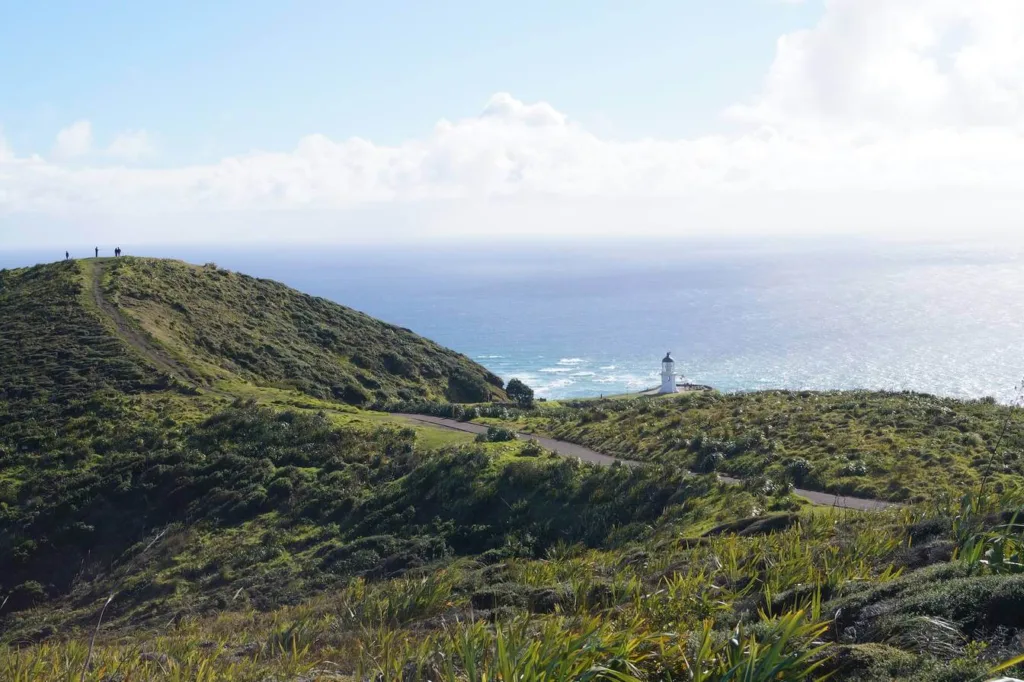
point(58, 363)
point(317, 504)
point(891, 446)
point(225, 325)
point(496, 434)
point(190, 490)
point(520, 393)
point(784, 596)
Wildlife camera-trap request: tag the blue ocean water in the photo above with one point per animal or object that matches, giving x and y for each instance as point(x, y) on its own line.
point(589, 319)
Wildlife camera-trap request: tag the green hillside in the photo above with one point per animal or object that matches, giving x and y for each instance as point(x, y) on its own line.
point(876, 445)
point(191, 477)
point(91, 350)
point(54, 349)
point(228, 327)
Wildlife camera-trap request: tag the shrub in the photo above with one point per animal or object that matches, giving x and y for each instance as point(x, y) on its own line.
point(464, 387)
point(28, 593)
point(531, 449)
point(520, 393)
point(798, 469)
point(496, 434)
point(857, 468)
point(710, 462)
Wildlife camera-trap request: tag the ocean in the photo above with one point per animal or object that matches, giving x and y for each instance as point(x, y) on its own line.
point(587, 319)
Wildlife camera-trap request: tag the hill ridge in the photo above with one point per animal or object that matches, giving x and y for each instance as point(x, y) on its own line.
point(216, 330)
point(147, 348)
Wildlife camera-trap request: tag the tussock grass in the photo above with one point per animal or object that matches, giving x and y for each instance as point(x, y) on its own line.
point(879, 445)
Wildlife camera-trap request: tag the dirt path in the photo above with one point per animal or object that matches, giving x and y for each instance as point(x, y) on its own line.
point(138, 340)
point(566, 449)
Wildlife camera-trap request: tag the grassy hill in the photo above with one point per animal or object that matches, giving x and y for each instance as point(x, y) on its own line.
point(877, 445)
point(229, 327)
point(188, 474)
point(107, 368)
point(54, 348)
point(94, 352)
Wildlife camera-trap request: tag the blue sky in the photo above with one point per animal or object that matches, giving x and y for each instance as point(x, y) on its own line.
point(207, 79)
point(338, 122)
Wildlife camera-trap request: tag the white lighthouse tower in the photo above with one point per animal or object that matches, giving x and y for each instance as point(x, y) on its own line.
point(668, 374)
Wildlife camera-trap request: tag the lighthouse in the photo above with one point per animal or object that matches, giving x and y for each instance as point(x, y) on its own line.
point(668, 374)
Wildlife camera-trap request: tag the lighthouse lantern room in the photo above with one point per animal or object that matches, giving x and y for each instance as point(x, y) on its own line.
point(668, 374)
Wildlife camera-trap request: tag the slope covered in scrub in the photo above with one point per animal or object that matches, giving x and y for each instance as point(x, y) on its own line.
point(181, 479)
point(230, 326)
point(870, 444)
point(264, 545)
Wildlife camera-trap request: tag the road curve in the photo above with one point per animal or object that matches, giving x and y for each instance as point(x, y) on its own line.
point(559, 447)
point(566, 449)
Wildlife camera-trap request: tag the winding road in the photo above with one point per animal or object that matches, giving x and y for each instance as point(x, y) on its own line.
point(165, 362)
point(566, 449)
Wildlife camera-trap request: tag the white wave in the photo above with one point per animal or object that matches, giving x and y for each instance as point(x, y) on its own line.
point(550, 389)
point(607, 367)
point(570, 361)
point(555, 370)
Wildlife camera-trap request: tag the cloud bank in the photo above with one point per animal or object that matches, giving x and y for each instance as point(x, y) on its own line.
point(882, 104)
point(75, 140)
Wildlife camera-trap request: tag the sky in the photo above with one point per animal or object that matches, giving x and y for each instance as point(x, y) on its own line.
point(340, 122)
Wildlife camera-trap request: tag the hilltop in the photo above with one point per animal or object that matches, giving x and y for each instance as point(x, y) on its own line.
point(228, 326)
point(135, 324)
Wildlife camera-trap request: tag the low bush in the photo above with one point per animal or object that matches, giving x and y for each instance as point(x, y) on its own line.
point(496, 434)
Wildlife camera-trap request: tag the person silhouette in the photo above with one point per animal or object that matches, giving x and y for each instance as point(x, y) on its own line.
point(97, 252)
point(67, 255)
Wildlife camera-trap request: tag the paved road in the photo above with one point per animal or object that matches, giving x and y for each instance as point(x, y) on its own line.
point(560, 447)
point(566, 449)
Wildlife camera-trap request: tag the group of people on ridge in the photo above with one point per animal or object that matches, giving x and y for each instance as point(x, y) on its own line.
point(117, 253)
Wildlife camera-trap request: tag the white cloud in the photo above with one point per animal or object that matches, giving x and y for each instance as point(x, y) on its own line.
point(902, 63)
point(874, 118)
point(131, 145)
point(515, 149)
point(5, 152)
point(75, 140)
